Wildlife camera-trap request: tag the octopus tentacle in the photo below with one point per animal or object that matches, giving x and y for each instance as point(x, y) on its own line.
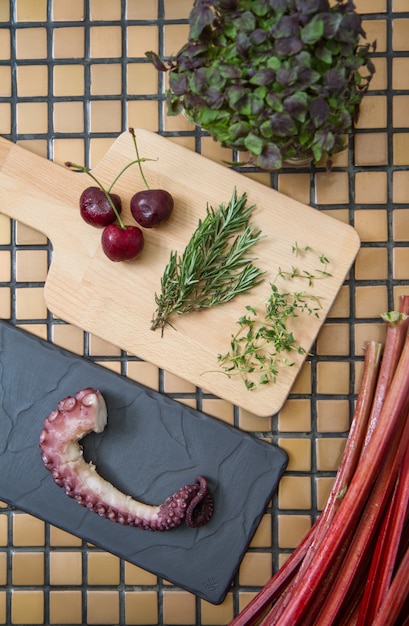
point(62, 455)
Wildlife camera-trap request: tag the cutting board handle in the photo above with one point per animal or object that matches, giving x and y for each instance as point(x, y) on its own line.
point(35, 190)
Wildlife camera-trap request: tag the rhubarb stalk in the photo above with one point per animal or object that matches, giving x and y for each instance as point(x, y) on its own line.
point(351, 568)
point(355, 497)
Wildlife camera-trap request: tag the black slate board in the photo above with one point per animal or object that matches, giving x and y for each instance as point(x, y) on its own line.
point(151, 446)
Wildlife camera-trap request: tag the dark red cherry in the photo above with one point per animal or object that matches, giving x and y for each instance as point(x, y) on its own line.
point(122, 244)
point(151, 207)
point(95, 208)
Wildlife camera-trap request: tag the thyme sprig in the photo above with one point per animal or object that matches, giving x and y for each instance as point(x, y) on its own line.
point(214, 267)
point(263, 345)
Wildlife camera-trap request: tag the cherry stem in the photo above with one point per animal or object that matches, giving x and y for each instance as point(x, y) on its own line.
point(132, 131)
point(124, 170)
point(85, 170)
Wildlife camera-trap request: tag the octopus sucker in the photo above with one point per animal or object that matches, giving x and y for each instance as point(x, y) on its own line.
point(62, 454)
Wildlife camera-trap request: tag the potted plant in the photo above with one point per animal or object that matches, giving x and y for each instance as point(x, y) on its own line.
point(279, 79)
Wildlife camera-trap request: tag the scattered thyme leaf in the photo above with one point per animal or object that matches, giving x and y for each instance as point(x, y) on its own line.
point(263, 345)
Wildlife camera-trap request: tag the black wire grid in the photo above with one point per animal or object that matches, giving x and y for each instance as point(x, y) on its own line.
point(393, 285)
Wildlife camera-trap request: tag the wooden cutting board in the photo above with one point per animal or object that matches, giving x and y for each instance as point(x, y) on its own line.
point(115, 301)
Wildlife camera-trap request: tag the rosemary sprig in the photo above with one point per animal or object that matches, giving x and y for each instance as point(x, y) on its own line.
point(214, 267)
point(263, 344)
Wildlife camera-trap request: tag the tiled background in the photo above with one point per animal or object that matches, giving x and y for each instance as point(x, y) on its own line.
point(73, 76)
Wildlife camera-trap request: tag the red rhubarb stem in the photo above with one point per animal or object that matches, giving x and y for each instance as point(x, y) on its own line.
point(352, 452)
point(396, 596)
point(260, 603)
point(347, 515)
point(384, 566)
point(364, 538)
point(397, 323)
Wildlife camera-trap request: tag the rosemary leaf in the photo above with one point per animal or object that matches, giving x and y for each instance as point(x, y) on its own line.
point(214, 267)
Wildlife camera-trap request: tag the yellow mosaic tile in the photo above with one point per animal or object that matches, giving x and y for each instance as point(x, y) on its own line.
point(371, 149)
point(103, 569)
point(294, 492)
point(262, 536)
point(5, 118)
point(329, 453)
point(3, 568)
point(143, 373)
point(332, 188)
point(295, 416)
point(400, 186)
point(31, 265)
point(333, 377)
point(102, 607)
point(371, 188)
point(141, 79)
point(371, 301)
point(38, 146)
point(135, 575)
point(105, 10)
point(372, 112)
point(367, 332)
point(143, 113)
point(371, 225)
point(400, 75)
point(299, 453)
point(5, 303)
point(141, 607)
point(255, 568)
point(65, 568)
point(341, 305)
point(72, 11)
point(32, 117)
point(68, 117)
point(28, 568)
point(401, 263)
point(28, 530)
point(400, 107)
point(179, 608)
point(31, 43)
point(250, 422)
point(219, 408)
point(371, 264)
point(175, 37)
point(68, 150)
point(32, 80)
point(333, 340)
point(217, 615)
point(30, 303)
point(296, 186)
point(69, 337)
point(61, 538)
point(379, 80)
point(332, 415)
point(4, 230)
point(5, 266)
point(27, 607)
point(292, 529)
point(4, 12)
point(323, 487)
point(28, 236)
point(3, 530)
point(68, 43)
point(136, 10)
point(26, 11)
point(65, 607)
point(401, 225)
point(68, 80)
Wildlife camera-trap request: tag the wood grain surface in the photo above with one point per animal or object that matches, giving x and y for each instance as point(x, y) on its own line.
point(115, 301)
